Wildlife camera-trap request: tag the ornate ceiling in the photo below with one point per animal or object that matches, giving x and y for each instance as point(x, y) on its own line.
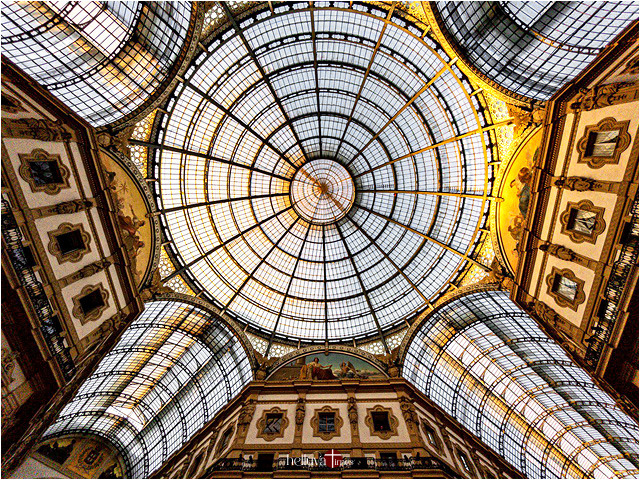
point(323, 172)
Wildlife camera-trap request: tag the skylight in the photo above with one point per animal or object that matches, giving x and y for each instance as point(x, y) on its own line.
point(323, 171)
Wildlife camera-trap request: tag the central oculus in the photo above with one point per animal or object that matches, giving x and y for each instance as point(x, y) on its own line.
point(322, 191)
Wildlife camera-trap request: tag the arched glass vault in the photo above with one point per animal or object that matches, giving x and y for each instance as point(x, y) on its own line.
point(486, 363)
point(533, 48)
point(323, 170)
point(102, 59)
point(170, 372)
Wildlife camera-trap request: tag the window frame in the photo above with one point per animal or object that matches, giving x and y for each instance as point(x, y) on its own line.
point(72, 256)
point(606, 124)
point(39, 155)
point(95, 313)
point(567, 219)
point(553, 281)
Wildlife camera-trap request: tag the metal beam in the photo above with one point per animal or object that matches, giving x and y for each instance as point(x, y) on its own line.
point(402, 109)
point(364, 290)
point(267, 82)
point(241, 122)
point(183, 151)
point(255, 269)
point(502, 123)
point(424, 235)
point(224, 200)
point(366, 75)
point(388, 258)
point(220, 245)
point(438, 194)
point(286, 294)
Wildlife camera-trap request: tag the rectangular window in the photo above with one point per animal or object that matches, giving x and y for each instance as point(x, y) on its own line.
point(565, 287)
point(602, 144)
point(273, 423)
point(45, 172)
point(326, 422)
point(582, 221)
point(70, 241)
point(380, 421)
point(91, 301)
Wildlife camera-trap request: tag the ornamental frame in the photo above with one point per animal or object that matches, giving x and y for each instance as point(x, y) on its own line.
point(393, 422)
point(75, 255)
point(221, 447)
point(40, 155)
point(623, 142)
point(315, 422)
point(262, 423)
point(560, 300)
point(428, 428)
point(95, 313)
point(580, 237)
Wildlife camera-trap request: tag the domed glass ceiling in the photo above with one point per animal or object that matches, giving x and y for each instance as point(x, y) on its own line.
point(323, 171)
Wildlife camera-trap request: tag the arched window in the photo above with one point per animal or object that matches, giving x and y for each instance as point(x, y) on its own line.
point(171, 371)
point(488, 364)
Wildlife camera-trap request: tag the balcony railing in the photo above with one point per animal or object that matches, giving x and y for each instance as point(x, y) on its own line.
point(49, 323)
point(609, 310)
point(315, 464)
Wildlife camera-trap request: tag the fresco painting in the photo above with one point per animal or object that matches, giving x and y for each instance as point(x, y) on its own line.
point(334, 366)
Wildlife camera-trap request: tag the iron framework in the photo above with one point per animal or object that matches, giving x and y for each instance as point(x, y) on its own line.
point(487, 363)
point(169, 373)
point(533, 48)
point(343, 82)
point(102, 59)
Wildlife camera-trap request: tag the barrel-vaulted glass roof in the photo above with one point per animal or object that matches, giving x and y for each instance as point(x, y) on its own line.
point(487, 363)
point(102, 59)
point(534, 48)
point(323, 170)
point(171, 371)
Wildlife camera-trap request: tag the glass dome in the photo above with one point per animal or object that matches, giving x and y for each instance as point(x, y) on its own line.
point(323, 171)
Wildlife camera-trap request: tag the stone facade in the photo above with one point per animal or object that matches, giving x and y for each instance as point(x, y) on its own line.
point(419, 440)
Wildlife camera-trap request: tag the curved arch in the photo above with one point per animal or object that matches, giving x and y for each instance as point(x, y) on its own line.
point(471, 349)
point(152, 392)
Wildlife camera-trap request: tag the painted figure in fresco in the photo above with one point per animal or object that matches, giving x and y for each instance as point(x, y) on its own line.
point(522, 184)
point(321, 372)
point(347, 370)
point(57, 452)
point(316, 371)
